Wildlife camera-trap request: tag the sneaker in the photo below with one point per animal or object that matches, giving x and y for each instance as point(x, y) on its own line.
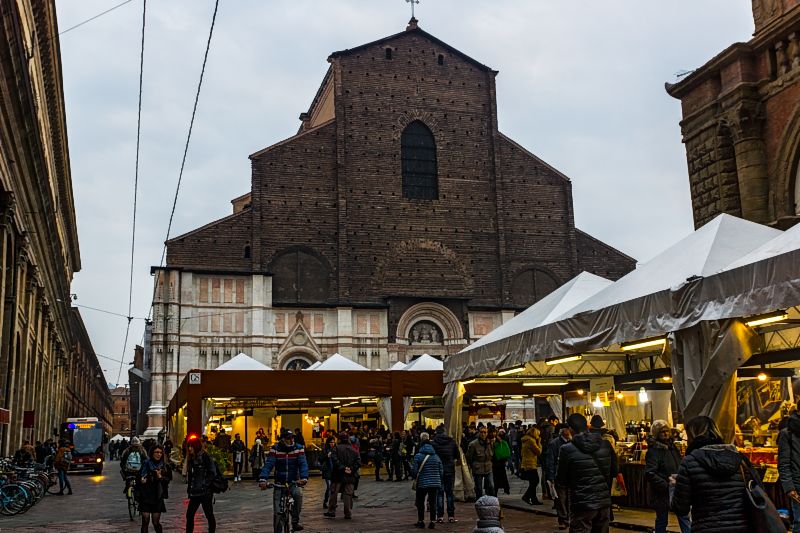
point(452, 519)
point(297, 527)
point(432, 525)
point(440, 520)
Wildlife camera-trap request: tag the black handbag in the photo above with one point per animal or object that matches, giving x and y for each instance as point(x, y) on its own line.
point(763, 514)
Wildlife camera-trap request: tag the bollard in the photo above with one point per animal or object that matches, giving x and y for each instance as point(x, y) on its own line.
point(488, 509)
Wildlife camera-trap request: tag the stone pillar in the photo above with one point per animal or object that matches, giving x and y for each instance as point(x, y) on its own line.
point(745, 121)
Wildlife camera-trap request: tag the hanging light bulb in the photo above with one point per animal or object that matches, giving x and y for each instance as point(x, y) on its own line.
point(643, 395)
point(597, 401)
point(580, 392)
point(620, 396)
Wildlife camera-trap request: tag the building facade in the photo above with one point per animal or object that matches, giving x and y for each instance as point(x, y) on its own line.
point(46, 365)
point(398, 220)
point(121, 399)
point(741, 123)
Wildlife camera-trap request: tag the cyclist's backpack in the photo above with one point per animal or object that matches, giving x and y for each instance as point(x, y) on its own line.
point(133, 461)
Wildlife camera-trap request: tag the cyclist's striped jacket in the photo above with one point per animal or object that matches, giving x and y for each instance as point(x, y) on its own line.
point(289, 462)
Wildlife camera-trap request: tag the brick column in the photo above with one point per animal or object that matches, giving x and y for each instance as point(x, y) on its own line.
point(745, 122)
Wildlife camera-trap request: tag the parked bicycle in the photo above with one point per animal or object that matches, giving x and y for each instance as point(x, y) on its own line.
point(21, 487)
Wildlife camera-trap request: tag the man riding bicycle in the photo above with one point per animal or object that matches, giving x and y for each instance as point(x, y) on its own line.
point(289, 461)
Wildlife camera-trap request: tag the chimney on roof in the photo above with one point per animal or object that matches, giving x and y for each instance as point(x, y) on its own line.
point(412, 24)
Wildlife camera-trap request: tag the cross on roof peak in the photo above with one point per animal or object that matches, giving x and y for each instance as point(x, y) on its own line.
point(412, 2)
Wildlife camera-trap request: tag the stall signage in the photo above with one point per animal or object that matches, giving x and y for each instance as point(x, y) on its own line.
point(319, 412)
point(601, 384)
point(195, 378)
point(434, 412)
point(28, 418)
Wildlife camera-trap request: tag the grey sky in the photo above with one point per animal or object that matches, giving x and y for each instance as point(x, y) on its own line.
point(581, 85)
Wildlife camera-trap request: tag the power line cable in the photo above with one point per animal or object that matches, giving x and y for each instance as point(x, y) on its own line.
point(78, 25)
point(185, 151)
point(135, 189)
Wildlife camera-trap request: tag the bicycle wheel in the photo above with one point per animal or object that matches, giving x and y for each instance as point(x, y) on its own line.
point(282, 523)
point(13, 498)
point(132, 507)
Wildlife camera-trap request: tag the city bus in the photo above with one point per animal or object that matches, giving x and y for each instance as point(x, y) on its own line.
point(87, 437)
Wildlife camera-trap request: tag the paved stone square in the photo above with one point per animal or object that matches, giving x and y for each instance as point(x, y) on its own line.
point(98, 505)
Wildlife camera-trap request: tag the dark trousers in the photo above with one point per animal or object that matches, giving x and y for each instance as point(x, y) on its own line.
point(446, 492)
point(533, 484)
point(237, 469)
point(208, 509)
point(347, 497)
point(406, 467)
point(399, 468)
point(500, 476)
point(430, 494)
point(545, 484)
point(63, 481)
point(378, 465)
point(483, 485)
point(590, 521)
point(561, 502)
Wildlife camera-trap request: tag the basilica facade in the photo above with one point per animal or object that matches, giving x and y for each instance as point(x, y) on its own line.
point(398, 220)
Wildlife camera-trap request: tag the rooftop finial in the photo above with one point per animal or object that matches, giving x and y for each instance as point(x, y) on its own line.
point(412, 2)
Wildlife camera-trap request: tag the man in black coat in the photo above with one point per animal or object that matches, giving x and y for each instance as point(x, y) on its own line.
point(586, 466)
point(448, 452)
point(661, 470)
point(345, 464)
point(789, 465)
point(560, 495)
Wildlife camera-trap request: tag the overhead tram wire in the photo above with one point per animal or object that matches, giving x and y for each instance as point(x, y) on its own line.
point(186, 148)
point(78, 25)
point(135, 190)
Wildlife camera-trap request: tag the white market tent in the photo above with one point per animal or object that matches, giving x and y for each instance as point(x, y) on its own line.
point(398, 366)
point(338, 362)
point(242, 362)
point(548, 309)
point(424, 362)
point(314, 365)
point(637, 306)
point(695, 292)
point(116, 438)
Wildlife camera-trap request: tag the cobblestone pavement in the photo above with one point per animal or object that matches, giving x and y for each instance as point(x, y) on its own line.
point(98, 505)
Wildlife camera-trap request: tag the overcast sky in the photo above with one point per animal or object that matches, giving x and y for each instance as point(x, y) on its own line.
point(581, 85)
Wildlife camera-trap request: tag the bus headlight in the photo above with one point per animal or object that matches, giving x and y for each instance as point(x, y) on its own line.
point(99, 460)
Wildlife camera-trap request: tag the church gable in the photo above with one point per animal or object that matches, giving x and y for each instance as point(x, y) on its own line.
point(224, 244)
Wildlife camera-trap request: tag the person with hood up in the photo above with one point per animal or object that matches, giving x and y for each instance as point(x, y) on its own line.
point(586, 466)
point(154, 481)
point(427, 470)
point(201, 471)
point(789, 465)
point(711, 482)
point(479, 459)
point(132, 459)
point(531, 450)
point(661, 467)
point(449, 453)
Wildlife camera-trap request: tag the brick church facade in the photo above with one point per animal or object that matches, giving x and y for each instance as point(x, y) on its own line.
point(741, 123)
point(398, 220)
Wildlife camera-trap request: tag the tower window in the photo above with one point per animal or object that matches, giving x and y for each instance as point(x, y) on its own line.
point(247, 252)
point(388, 53)
point(418, 157)
point(441, 59)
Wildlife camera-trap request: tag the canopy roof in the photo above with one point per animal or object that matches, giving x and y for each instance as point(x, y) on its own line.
point(314, 365)
point(425, 362)
point(398, 366)
point(117, 437)
point(243, 362)
point(660, 296)
point(338, 362)
point(548, 309)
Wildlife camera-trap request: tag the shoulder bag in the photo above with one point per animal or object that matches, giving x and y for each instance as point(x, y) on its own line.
point(763, 515)
point(419, 472)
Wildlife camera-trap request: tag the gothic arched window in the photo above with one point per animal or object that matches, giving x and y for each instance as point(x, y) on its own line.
point(418, 155)
point(530, 286)
point(298, 276)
